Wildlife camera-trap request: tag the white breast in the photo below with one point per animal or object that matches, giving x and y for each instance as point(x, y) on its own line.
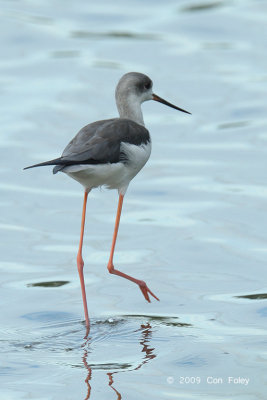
point(137, 156)
point(113, 176)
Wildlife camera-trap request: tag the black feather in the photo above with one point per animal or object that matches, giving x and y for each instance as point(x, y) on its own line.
point(99, 143)
point(56, 161)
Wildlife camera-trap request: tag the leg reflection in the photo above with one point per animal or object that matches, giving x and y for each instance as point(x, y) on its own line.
point(146, 331)
point(89, 375)
point(149, 354)
point(109, 374)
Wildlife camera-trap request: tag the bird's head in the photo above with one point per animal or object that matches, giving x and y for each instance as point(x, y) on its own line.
point(137, 88)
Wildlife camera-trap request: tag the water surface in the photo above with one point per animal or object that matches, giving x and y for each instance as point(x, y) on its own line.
point(194, 220)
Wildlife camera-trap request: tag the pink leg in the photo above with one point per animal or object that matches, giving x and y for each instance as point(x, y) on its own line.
point(142, 285)
point(80, 262)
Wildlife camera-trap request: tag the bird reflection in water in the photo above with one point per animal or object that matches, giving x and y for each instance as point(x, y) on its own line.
point(149, 354)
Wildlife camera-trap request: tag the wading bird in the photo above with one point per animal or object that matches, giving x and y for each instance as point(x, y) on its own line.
point(110, 153)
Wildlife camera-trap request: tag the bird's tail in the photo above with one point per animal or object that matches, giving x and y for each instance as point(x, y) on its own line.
point(57, 161)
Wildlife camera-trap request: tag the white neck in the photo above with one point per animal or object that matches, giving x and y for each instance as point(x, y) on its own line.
point(130, 108)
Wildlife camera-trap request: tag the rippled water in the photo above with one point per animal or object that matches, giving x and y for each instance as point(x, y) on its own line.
point(194, 220)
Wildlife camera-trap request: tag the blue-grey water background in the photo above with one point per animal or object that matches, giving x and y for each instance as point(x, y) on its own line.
point(194, 220)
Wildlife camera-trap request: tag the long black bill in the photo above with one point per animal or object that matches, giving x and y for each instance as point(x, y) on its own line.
point(160, 100)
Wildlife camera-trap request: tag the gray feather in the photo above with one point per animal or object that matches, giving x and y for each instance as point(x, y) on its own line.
point(100, 143)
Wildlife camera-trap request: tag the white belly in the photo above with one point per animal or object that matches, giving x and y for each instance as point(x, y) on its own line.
point(113, 176)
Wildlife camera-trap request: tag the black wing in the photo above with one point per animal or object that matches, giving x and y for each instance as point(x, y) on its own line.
point(99, 143)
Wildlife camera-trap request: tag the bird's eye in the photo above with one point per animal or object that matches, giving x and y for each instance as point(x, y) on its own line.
point(147, 85)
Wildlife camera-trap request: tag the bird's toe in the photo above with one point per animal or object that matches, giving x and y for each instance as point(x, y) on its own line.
point(146, 291)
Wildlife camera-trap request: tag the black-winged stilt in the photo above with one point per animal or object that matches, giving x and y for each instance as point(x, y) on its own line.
point(110, 153)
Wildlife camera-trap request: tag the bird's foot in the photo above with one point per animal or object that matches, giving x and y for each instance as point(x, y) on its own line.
point(142, 285)
point(145, 290)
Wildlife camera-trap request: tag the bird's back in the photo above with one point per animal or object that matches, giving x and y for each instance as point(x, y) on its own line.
point(100, 141)
point(109, 153)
